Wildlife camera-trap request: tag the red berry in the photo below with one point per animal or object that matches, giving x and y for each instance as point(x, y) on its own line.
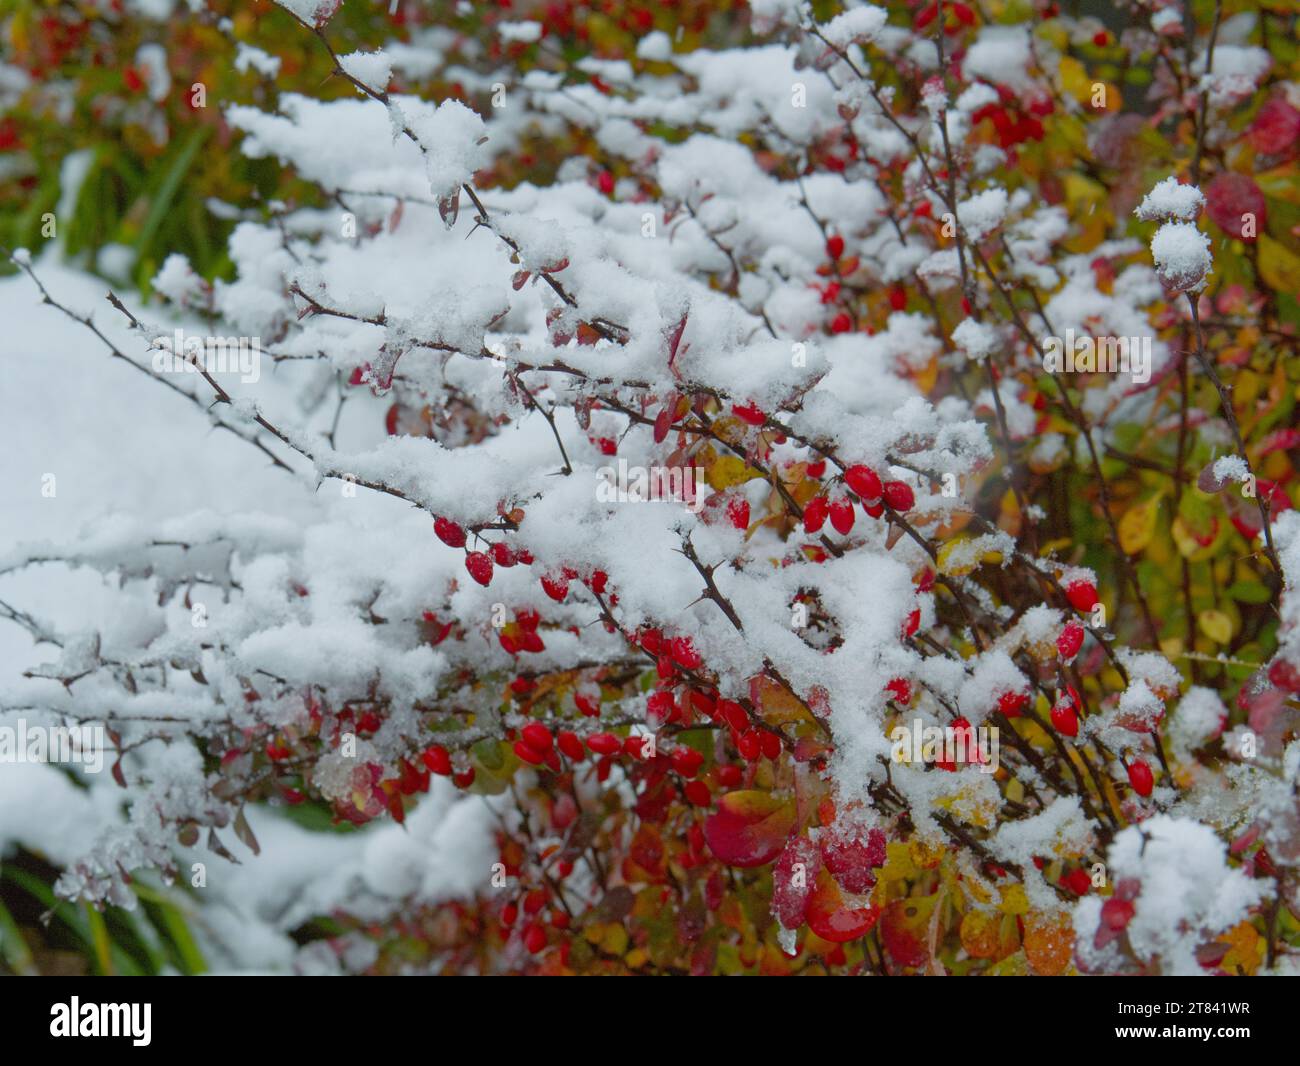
point(598, 581)
point(816, 469)
point(569, 743)
point(738, 512)
point(1082, 595)
point(1101, 38)
point(898, 298)
point(1140, 777)
point(851, 856)
point(899, 496)
point(479, 566)
point(771, 745)
point(733, 715)
point(535, 901)
point(900, 689)
point(1078, 882)
point(537, 736)
point(683, 650)
point(603, 743)
point(698, 793)
point(529, 754)
point(749, 412)
point(841, 323)
point(1116, 913)
point(842, 516)
point(661, 707)
point(449, 532)
point(834, 246)
point(912, 622)
point(606, 182)
point(1013, 703)
point(1064, 718)
point(437, 760)
point(502, 555)
point(587, 704)
point(687, 761)
point(750, 745)
point(535, 937)
point(1070, 640)
point(509, 914)
point(555, 587)
point(729, 776)
point(1284, 675)
point(814, 515)
point(865, 482)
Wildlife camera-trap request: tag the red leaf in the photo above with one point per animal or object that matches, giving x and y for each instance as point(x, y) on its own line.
point(749, 828)
point(834, 919)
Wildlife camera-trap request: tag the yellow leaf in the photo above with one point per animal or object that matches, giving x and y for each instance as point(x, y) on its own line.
point(1014, 900)
point(1277, 265)
point(982, 935)
point(1194, 548)
point(778, 704)
point(1246, 951)
point(898, 863)
point(1216, 625)
point(1074, 79)
point(1012, 966)
point(1138, 526)
point(728, 470)
point(926, 855)
point(614, 939)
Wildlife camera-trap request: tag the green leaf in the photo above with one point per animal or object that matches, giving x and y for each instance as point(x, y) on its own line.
point(1249, 592)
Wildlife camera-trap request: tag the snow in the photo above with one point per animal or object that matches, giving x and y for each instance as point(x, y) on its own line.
point(1001, 55)
point(1185, 885)
point(372, 69)
point(1234, 73)
point(858, 25)
point(1171, 199)
point(525, 32)
point(248, 57)
point(1182, 256)
point(976, 339)
point(1231, 468)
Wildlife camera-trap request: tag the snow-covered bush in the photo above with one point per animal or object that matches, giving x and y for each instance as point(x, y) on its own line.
point(633, 507)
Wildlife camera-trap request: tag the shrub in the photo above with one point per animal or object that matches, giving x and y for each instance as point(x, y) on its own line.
point(847, 284)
